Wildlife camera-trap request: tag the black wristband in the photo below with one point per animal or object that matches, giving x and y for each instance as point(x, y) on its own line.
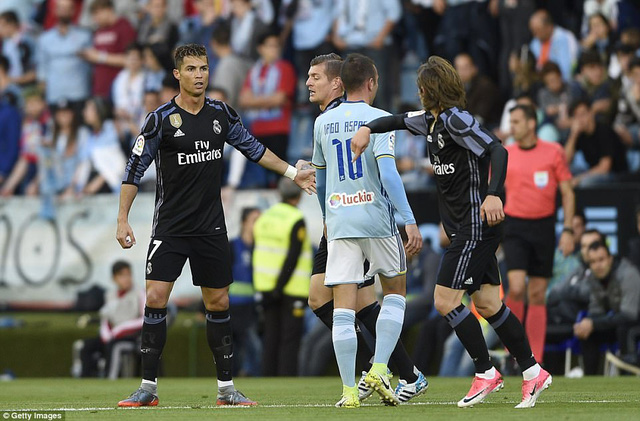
point(567, 229)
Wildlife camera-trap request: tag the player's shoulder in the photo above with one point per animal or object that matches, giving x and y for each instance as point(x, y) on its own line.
point(222, 106)
point(153, 122)
point(457, 120)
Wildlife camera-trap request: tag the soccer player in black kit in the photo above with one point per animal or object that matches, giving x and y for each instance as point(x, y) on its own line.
point(461, 152)
point(186, 137)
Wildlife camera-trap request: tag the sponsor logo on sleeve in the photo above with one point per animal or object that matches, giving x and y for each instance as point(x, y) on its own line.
point(392, 141)
point(138, 146)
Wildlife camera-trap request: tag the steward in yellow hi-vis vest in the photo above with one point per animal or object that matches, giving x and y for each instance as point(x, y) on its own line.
point(282, 261)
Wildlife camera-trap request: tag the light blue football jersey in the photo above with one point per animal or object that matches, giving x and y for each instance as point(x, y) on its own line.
point(356, 204)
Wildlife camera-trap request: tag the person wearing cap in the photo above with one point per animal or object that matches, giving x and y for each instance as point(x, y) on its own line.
point(282, 261)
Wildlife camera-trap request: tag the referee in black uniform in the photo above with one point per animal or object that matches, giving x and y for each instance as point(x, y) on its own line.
point(186, 137)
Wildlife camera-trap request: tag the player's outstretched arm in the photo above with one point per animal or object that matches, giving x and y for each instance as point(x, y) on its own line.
point(305, 179)
point(124, 233)
point(392, 184)
point(360, 141)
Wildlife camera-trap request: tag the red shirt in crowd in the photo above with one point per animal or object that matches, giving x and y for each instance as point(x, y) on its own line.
point(286, 84)
point(112, 39)
point(533, 176)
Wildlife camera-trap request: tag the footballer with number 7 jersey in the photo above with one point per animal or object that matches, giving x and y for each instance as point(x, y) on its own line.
point(186, 137)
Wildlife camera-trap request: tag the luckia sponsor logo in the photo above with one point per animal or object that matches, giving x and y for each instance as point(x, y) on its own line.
point(343, 199)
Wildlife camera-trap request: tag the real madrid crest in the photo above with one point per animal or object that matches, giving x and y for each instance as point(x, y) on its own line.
point(176, 120)
point(217, 128)
point(429, 139)
point(440, 141)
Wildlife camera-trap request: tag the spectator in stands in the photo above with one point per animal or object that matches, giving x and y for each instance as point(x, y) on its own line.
point(246, 343)
point(570, 296)
point(554, 98)
point(126, 8)
point(633, 253)
point(563, 265)
point(602, 152)
point(524, 76)
point(365, 27)
point(614, 305)
point(113, 36)
point(10, 122)
point(60, 68)
point(599, 37)
point(593, 85)
point(9, 92)
point(483, 96)
point(18, 48)
point(35, 130)
point(232, 68)
point(466, 26)
point(311, 31)
point(102, 160)
point(513, 16)
point(627, 122)
point(121, 319)
point(246, 29)
point(198, 29)
point(552, 43)
point(128, 94)
point(268, 95)
point(23, 8)
point(623, 55)
point(606, 8)
point(156, 27)
point(169, 90)
point(157, 64)
point(59, 157)
point(282, 262)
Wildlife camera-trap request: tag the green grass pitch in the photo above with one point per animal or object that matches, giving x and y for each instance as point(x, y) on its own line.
point(597, 398)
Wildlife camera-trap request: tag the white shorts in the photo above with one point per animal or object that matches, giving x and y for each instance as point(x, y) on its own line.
point(345, 259)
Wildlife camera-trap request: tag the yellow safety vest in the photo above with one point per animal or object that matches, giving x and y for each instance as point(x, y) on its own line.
point(272, 238)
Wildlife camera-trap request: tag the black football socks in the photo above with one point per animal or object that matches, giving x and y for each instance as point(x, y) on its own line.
point(220, 339)
point(469, 332)
point(513, 336)
point(154, 336)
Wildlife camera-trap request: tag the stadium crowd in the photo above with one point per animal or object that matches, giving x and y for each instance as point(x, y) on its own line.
point(78, 77)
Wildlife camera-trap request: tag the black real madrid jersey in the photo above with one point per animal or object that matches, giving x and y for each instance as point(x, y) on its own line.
point(187, 150)
point(458, 147)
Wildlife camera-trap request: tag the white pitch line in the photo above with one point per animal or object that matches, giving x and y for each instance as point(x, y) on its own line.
point(319, 405)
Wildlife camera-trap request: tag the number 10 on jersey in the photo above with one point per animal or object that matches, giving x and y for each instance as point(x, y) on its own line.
point(355, 168)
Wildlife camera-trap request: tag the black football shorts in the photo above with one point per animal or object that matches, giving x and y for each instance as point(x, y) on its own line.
point(209, 257)
point(467, 264)
point(529, 245)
